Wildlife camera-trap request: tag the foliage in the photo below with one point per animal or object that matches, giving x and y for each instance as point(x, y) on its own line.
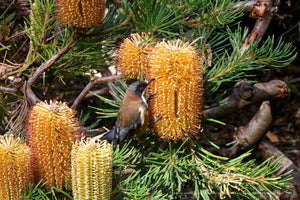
point(149, 168)
point(160, 170)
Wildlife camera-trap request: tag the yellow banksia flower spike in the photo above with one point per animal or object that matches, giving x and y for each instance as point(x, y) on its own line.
point(132, 56)
point(80, 13)
point(177, 88)
point(52, 129)
point(15, 167)
point(92, 170)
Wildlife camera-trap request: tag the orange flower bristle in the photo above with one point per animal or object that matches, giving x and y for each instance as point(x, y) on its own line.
point(52, 129)
point(15, 167)
point(132, 56)
point(80, 14)
point(177, 88)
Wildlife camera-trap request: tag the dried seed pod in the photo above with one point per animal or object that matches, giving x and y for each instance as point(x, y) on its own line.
point(80, 14)
point(15, 167)
point(91, 170)
point(52, 129)
point(177, 89)
point(132, 56)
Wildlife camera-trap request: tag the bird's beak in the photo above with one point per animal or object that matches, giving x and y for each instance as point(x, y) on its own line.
point(149, 81)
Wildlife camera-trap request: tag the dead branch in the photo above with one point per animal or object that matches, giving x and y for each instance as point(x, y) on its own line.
point(102, 91)
point(78, 36)
point(266, 150)
point(250, 135)
point(93, 81)
point(246, 93)
point(262, 11)
point(247, 6)
point(8, 90)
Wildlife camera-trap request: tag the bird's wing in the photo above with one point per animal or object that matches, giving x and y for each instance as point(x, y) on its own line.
point(142, 115)
point(109, 136)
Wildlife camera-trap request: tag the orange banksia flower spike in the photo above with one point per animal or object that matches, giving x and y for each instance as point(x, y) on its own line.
point(92, 170)
point(132, 56)
point(52, 129)
point(80, 13)
point(177, 88)
point(15, 168)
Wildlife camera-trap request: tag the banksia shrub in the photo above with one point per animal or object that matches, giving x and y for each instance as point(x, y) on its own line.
point(132, 56)
point(52, 129)
point(91, 170)
point(177, 89)
point(15, 163)
point(80, 14)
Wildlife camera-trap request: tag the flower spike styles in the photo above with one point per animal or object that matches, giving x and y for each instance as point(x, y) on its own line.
point(132, 56)
point(15, 167)
point(177, 88)
point(80, 14)
point(92, 170)
point(52, 129)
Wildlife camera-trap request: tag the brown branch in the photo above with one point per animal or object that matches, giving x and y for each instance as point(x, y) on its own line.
point(102, 91)
point(247, 6)
point(262, 11)
point(250, 135)
point(91, 84)
point(78, 36)
point(265, 150)
point(8, 90)
point(245, 93)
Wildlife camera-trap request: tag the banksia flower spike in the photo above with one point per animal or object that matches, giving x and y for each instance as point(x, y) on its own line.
point(91, 170)
point(15, 164)
point(52, 129)
point(132, 56)
point(80, 14)
point(177, 89)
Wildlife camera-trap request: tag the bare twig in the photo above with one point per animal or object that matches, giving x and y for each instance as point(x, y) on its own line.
point(247, 6)
point(102, 91)
point(8, 90)
point(29, 93)
point(245, 93)
point(91, 84)
point(265, 150)
point(250, 135)
point(263, 11)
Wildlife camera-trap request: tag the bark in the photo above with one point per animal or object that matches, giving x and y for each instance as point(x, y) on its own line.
point(246, 93)
point(250, 135)
point(90, 85)
point(266, 150)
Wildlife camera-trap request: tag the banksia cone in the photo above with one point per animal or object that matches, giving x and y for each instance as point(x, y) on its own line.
point(15, 163)
point(132, 56)
point(52, 129)
point(177, 89)
point(80, 14)
point(91, 170)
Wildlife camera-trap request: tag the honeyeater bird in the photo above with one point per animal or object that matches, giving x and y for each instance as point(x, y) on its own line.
point(133, 115)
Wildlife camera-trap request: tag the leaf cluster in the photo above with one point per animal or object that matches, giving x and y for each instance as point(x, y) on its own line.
point(160, 170)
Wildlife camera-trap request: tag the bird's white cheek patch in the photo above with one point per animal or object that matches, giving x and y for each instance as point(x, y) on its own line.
point(142, 113)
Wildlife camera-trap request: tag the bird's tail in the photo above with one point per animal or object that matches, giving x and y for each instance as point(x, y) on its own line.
point(109, 136)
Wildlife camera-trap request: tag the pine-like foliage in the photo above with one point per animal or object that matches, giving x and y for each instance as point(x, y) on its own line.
point(147, 167)
point(186, 171)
